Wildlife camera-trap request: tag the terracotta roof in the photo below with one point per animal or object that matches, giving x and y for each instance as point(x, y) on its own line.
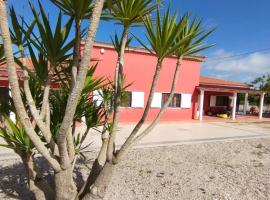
point(219, 82)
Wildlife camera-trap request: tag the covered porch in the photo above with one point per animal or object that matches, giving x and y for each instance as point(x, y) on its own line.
point(223, 99)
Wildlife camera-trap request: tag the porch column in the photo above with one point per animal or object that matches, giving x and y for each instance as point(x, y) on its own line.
point(234, 106)
point(201, 105)
point(261, 105)
point(246, 104)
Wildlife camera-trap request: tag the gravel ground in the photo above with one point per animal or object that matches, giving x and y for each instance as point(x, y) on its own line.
point(230, 170)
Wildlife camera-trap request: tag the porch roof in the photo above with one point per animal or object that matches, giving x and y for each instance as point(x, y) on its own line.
point(210, 81)
point(218, 85)
point(231, 90)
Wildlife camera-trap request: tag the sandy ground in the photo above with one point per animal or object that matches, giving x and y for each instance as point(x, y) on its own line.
point(238, 170)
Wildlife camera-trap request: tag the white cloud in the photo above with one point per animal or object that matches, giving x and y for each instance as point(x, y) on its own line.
point(244, 68)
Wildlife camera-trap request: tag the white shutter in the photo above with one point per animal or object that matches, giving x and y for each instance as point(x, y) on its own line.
point(12, 115)
point(213, 100)
point(97, 97)
point(137, 100)
point(185, 100)
point(156, 102)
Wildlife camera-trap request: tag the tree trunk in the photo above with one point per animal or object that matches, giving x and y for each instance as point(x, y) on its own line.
point(65, 187)
point(165, 106)
point(76, 52)
point(98, 182)
point(78, 87)
point(36, 184)
point(117, 101)
point(130, 138)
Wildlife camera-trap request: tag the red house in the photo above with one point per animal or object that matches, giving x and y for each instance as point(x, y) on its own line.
point(217, 95)
point(195, 95)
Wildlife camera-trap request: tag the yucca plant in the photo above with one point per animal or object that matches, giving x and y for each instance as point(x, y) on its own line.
point(20, 31)
point(16, 139)
point(161, 34)
point(54, 45)
point(78, 11)
point(15, 136)
point(188, 40)
point(127, 13)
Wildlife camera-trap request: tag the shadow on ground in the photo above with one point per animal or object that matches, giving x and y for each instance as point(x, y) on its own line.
point(13, 181)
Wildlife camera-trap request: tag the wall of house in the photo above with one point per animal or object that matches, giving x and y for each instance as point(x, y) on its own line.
point(139, 69)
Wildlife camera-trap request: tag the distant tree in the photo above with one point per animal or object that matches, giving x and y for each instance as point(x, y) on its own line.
point(261, 83)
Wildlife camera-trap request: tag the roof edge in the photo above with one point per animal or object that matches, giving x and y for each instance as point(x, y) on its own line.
point(197, 58)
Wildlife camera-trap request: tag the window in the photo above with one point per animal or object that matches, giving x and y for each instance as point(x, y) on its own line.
point(222, 101)
point(126, 100)
point(4, 98)
point(176, 101)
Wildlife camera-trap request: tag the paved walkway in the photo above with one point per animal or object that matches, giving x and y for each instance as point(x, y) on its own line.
point(182, 133)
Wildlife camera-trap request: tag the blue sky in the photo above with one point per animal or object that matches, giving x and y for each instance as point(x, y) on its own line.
point(242, 26)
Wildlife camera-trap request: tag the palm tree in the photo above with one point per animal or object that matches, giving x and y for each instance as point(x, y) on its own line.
point(65, 187)
point(78, 11)
point(167, 38)
point(127, 13)
point(191, 40)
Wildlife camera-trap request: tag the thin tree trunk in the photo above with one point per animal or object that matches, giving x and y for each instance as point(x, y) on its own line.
point(36, 184)
point(99, 162)
point(45, 100)
point(128, 142)
point(70, 145)
point(32, 106)
point(117, 101)
point(77, 89)
point(15, 90)
point(76, 53)
point(162, 110)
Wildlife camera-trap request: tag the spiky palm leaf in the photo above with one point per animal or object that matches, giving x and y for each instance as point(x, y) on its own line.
point(20, 31)
point(194, 31)
point(86, 107)
point(161, 34)
point(75, 9)
point(55, 45)
point(130, 12)
point(16, 137)
point(117, 43)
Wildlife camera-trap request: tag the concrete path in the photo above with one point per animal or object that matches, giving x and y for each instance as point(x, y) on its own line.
point(190, 132)
point(180, 133)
